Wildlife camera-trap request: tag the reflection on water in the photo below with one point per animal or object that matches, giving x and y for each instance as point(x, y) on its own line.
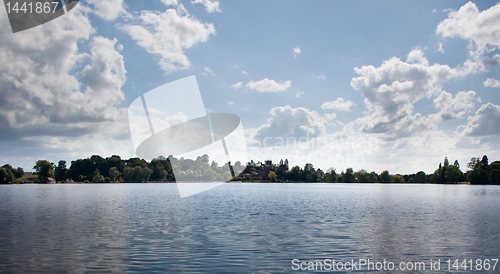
point(238, 228)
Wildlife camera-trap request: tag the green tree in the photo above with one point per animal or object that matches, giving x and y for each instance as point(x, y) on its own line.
point(145, 174)
point(477, 173)
point(44, 169)
point(97, 177)
point(272, 176)
point(114, 174)
point(398, 178)
point(484, 163)
point(495, 173)
point(209, 174)
point(362, 176)
point(348, 176)
point(420, 177)
point(61, 171)
point(385, 177)
point(453, 174)
point(6, 176)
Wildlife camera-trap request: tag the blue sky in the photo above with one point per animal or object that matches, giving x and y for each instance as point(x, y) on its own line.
point(379, 85)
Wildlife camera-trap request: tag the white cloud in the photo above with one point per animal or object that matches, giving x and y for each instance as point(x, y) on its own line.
point(441, 47)
point(485, 122)
point(492, 83)
point(391, 89)
point(299, 93)
point(237, 85)
point(296, 51)
point(244, 72)
point(338, 104)
point(230, 103)
point(42, 102)
point(207, 72)
point(287, 122)
point(481, 27)
point(170, 2)
point(321, 77)
point(167, 35)
point(454, 107)
point(266, 85)
point(108, 9)
point(210, 6)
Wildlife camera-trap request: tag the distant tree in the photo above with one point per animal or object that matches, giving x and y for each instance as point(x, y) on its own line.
point(348, 176)
point(456, 164)
point(97, 177)
point(16, 173)
point(484, 163)
point(309, 167)
point(495, 173)
point(309, 178)
point(385, 177)
point(272, 176)
point(294, 174)
point(477, 173)
point(6, 176)
point(398, 178)
point(330, 175)
point(209, 174)
point(145, 174)
point(420, 177)
point(61, 171)
point(446, 162)
point(114, 174)
point(453, 174)
point(44, 169)
point(362, 176)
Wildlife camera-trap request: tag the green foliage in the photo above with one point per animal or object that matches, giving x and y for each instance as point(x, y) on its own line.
point(398, 178)
point(385, 177)
point(44, 169)
point(479, 173)
point(114, 174)
point(209, 175)
point(6, 176)
point(272, 176)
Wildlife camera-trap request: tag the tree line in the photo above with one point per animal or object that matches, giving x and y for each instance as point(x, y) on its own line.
point(97, 169)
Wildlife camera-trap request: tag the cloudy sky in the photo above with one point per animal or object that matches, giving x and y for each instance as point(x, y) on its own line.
point(378, 85)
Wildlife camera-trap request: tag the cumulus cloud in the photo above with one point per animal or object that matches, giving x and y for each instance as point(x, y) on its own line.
point(321, 77)
point(296, 51)
point(481, 27)
point(230, 103)
point(454, 107)
point(492, 83)
point(107, 9)
point(167, 35)
point(391, 89)
point(237, 85)
point(338, 104)
point(42, 102)
point(210, 6)
point(170, 2)
point(288, 122)
point(266, 85)
point(485, 122)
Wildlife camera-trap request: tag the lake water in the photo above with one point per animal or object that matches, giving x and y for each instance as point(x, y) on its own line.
point(242, 227)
